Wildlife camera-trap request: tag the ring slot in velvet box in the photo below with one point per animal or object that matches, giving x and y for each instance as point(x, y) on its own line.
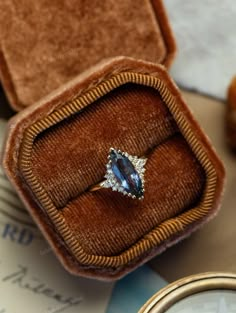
point(57, 149)
point(44, 44)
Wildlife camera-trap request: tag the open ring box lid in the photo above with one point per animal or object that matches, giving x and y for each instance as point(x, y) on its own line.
point(57, 149)
point(44, 44)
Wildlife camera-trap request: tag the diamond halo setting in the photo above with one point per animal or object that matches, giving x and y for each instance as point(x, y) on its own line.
point(125, 174)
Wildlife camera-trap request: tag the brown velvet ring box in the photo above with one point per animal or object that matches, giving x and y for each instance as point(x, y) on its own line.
point(230, 126)
point(44, 44)
point(57, 149)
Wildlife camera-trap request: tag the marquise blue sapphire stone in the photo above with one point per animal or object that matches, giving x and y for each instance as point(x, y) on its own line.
point(126, 174)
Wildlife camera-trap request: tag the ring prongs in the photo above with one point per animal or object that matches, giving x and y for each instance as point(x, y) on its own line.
point(125, 174)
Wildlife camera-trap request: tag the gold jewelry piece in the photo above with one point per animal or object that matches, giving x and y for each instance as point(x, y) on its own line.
point(208, 292)
point(125, 174)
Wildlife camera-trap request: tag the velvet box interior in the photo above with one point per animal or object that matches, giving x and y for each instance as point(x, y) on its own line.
point(57, 149)
point(44, 44)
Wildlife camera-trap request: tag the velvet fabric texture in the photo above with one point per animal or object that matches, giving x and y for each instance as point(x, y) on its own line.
point(134, 119)
point(44, 44)
point(231, 115)
point(104, 234)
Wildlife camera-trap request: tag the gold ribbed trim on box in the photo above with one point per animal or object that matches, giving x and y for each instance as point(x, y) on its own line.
point(162, 232)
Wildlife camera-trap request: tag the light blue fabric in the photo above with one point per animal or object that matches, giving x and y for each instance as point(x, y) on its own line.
point(130, 293)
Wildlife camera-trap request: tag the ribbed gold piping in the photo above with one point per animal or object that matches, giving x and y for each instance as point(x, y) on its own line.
point(162, 232)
